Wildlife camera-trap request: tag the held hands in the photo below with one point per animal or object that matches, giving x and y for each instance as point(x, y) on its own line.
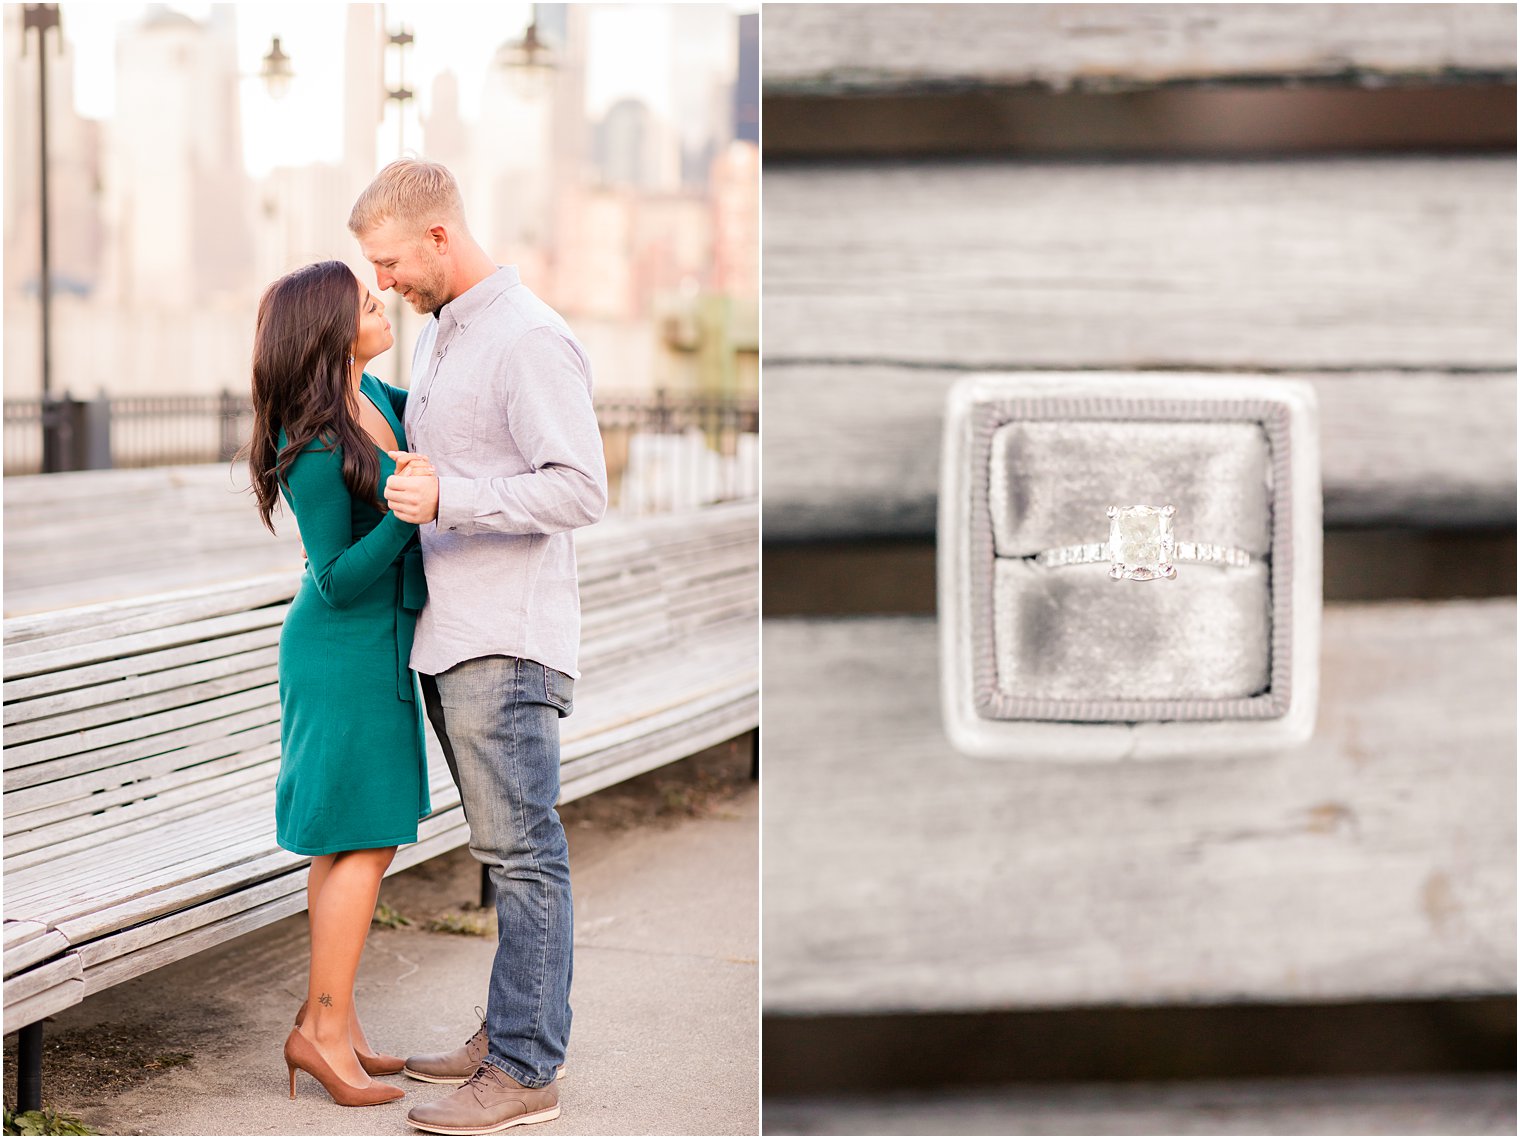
point(412, 492)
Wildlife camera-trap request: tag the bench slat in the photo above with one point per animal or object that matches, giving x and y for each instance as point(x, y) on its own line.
point(46, 976)
point(61, 996)
point(238, 745)
point(127, 739)
point(876, 49)
point(1333, 263)
point(33, 942)
point(1378, 861)
point(227, 679)
point(1359, 1105)
point(29, 664)
point(853, 451)
point(257, 650)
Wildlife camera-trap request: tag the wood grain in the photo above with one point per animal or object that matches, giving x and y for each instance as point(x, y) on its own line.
point(874, 48)
point(1377, 861)
point(1314, 264)
point(1403, 1105)
point(852, 451)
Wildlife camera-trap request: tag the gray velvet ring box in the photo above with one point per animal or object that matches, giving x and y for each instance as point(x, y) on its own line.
point(1060, 662)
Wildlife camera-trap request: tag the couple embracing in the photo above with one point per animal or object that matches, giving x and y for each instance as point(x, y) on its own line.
point(439, 557)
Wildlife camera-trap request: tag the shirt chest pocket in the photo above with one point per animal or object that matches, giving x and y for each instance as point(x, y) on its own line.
point(449, 418)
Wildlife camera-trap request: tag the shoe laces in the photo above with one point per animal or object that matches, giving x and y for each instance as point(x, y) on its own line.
point(485, 1074)
point(481, 1031)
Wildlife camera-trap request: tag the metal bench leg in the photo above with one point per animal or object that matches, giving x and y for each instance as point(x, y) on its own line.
point(754, 753)
point(29, 1068)
point(487, 891)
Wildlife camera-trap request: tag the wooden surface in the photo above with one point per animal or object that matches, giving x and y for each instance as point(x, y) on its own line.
point(1404, 1105)
point(852, 450)
point(834, 48)
point(88, 536)
point(142, 744)
point(1377, 861)
point(1343, 263)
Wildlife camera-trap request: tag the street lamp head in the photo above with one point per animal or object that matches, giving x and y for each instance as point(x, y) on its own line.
point(276, 71)
point(528, 62)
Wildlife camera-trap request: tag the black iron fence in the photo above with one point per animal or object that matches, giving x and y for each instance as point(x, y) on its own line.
point(663, 449)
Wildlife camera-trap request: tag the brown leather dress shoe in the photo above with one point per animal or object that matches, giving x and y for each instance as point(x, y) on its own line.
point(489, 1101)
point(459, 1065)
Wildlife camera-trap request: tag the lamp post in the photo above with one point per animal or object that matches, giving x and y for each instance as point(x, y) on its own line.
point(42, 18)
point(401, 95)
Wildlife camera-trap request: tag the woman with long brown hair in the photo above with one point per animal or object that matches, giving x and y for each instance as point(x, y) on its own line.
point(353, 771)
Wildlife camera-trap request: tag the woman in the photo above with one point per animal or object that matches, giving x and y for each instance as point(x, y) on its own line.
point(353, 772)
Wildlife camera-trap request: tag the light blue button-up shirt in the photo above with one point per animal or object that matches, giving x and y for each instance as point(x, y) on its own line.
point(501, 402)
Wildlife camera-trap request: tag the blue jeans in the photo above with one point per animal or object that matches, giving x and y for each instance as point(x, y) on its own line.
point(498, 718)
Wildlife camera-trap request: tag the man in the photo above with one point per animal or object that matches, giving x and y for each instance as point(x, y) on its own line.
point(501, 402)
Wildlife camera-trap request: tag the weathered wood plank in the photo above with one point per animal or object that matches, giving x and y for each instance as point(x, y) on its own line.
point(85, 622)
point(46, 1003)
point(1399, 1105)
point(1334, 263)
point(34, 942)
point(1377, 861)
point(147, 688)
point(853, 451)
point(42, 978)
point(876, 48)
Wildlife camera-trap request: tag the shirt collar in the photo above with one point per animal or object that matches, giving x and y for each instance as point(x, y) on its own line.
point(480, 296)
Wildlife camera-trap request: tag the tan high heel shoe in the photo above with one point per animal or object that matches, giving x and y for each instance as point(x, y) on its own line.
point(302, 1053)
point(375, 1063)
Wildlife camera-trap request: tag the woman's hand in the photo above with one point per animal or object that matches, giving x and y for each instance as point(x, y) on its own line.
point(409, 465)
point(412, 492)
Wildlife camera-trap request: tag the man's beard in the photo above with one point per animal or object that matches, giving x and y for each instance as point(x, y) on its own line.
point(427, 297)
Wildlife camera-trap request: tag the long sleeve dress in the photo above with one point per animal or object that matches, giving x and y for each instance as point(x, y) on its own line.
point(353, 766)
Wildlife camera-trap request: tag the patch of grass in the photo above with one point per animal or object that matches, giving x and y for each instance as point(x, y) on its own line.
point(44, 1122)
point(390, 917)
point(463, 924)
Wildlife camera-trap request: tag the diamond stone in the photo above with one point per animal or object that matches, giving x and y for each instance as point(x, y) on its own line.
point(1140, 542)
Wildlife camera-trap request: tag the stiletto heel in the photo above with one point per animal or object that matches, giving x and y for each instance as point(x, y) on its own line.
point(375, 1063)
point(302, 1053)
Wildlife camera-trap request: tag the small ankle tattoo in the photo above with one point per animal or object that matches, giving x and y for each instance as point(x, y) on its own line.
point(325, 1001)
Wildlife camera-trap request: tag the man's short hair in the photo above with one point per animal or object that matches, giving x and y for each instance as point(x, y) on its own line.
point(409, 189)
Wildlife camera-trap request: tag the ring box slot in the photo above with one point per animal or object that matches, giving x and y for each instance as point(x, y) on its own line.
point(1036, 467)
point(1070, 633)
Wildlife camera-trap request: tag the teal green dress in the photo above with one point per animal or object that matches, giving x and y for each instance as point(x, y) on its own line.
point(353, 766)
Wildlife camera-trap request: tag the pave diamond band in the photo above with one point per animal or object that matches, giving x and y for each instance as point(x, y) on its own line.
point(1141, 547)
point(1201, 552)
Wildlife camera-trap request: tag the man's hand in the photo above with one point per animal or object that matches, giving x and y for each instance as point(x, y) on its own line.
point(412, 492)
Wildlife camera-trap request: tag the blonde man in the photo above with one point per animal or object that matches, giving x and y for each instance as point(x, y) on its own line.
point(501, 402)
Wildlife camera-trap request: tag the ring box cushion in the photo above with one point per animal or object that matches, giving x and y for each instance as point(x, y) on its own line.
point(1070, 633)
point(1067, 643)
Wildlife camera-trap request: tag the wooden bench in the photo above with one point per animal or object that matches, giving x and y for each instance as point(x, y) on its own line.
point(1015, 187)
point(142, 746)
point(91, 536)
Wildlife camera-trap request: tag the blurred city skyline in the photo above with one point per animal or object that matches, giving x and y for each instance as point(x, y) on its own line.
point(623, 181)
point(628, 55)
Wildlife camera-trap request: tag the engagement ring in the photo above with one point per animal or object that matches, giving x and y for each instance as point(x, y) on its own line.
point(1141, 547)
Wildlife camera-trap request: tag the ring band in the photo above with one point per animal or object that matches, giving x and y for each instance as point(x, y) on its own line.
point(1141, 547)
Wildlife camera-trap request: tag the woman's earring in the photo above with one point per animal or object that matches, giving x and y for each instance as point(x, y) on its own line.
point(350, 361)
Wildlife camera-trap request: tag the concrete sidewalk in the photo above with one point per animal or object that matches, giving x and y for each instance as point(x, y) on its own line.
point(666, 995)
